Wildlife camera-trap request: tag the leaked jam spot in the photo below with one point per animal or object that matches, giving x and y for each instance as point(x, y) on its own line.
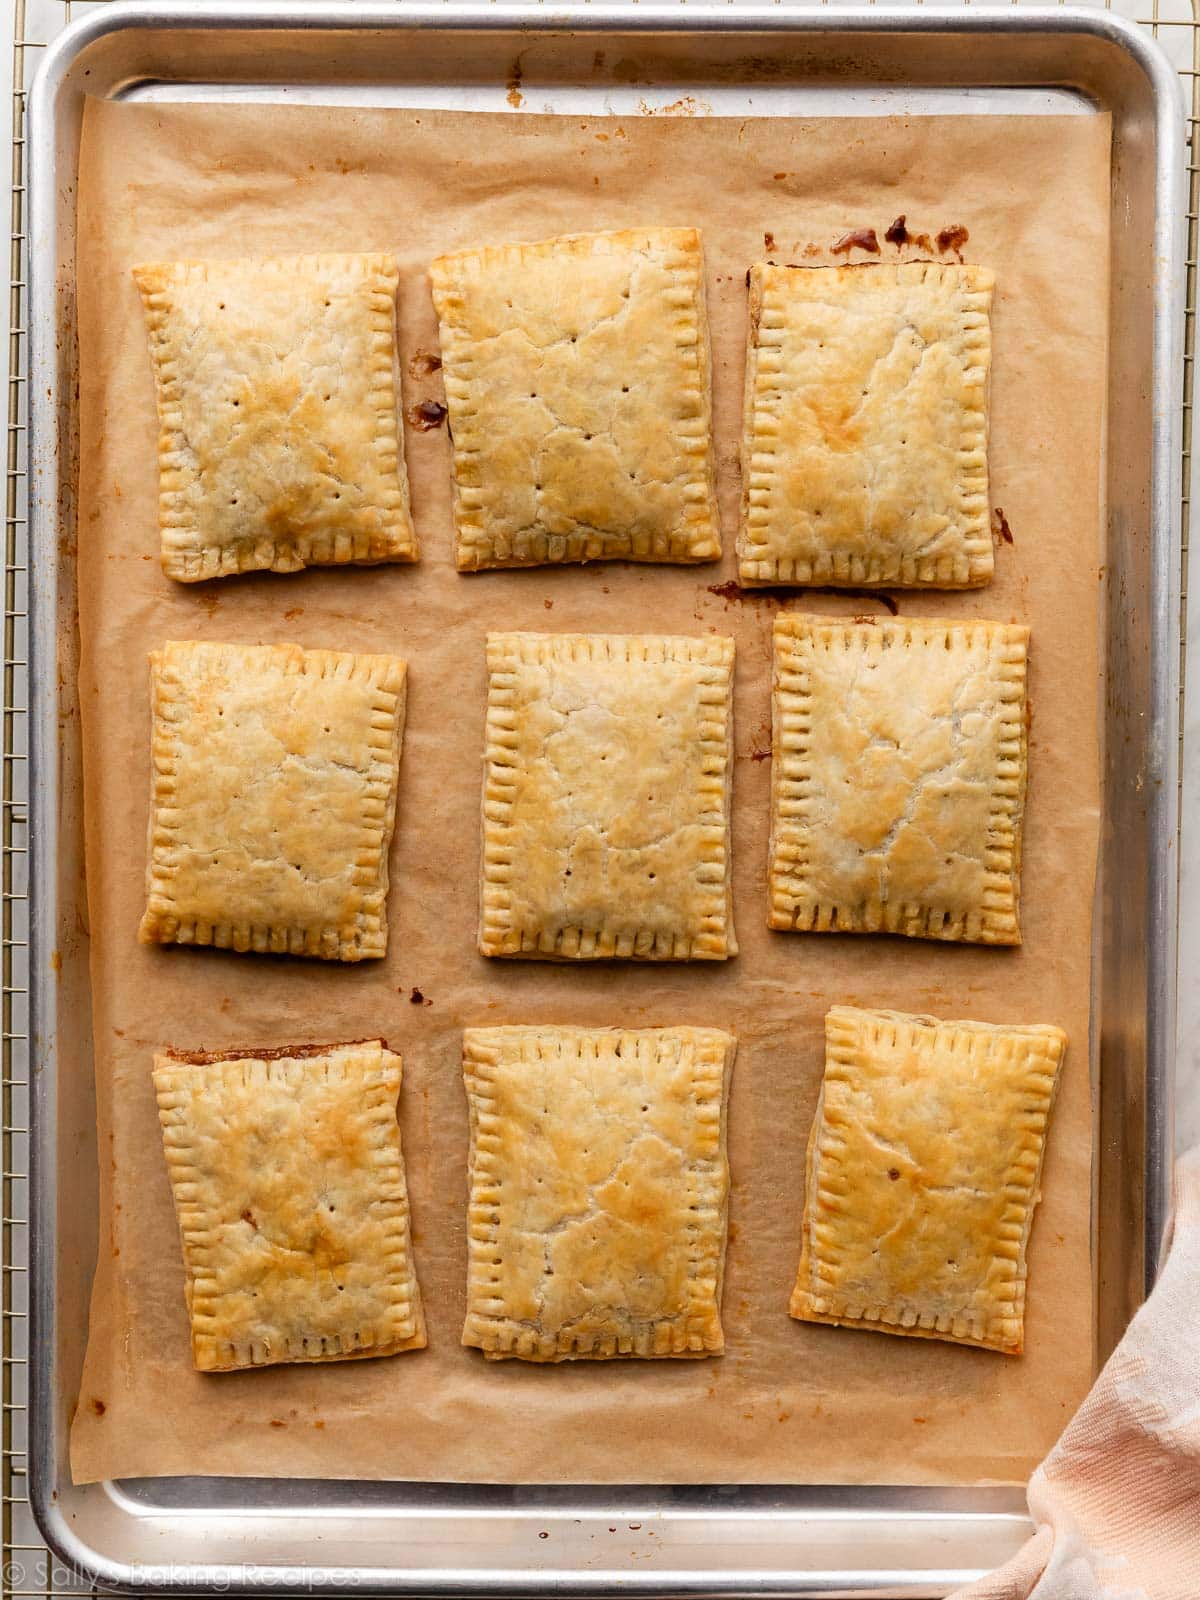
point(953, 238)
point(778, 594)
point(276, 1423)
point(769, 241)
point(858, 239)
point(426, 415)
point(888, 601)
point(423, 363)
point(732, 590)
point(894, 1173)
point(98, 1407)
point(278, 1052)
point(897, 234)
point(416, 998)
point(1001, 528)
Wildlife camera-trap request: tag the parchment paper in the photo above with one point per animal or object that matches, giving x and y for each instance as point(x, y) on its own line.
point(788, 1402)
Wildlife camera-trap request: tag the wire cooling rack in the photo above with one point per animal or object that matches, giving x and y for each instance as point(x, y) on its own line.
point(27, 1568)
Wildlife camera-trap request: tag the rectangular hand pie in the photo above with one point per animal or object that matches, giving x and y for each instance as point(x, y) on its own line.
point(273, 797)
point(578, 380)
point(606, 798)
point(289, 1188)
point(598, 1191)
point(279, 444)
point(923, 1169)
point(866, 426)
point(898, 781)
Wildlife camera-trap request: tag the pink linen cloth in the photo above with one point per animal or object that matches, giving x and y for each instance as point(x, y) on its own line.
point(1117, 1501)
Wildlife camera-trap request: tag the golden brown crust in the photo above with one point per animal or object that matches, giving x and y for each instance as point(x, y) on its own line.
point(866, 425)
point(606, 798)
point(898, 780)
point(924, 1163)
point(578, 380)
point(599, 1190)
point(277, 386)
point(273, 798)
point(289, 1189)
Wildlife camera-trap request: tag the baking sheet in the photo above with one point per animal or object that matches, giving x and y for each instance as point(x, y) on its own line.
point(788, 1403)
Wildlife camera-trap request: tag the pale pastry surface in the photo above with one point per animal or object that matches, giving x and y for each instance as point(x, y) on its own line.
point(898, 777)
point(289, 1188)
point(278, 393)
point(864, 457)
point(578, 379)
point(924, 1164)
point(599, 1191)
point(273, 798)
point(606, 797)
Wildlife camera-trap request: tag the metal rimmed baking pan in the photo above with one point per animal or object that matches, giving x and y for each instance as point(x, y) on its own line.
point(276, 1536)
